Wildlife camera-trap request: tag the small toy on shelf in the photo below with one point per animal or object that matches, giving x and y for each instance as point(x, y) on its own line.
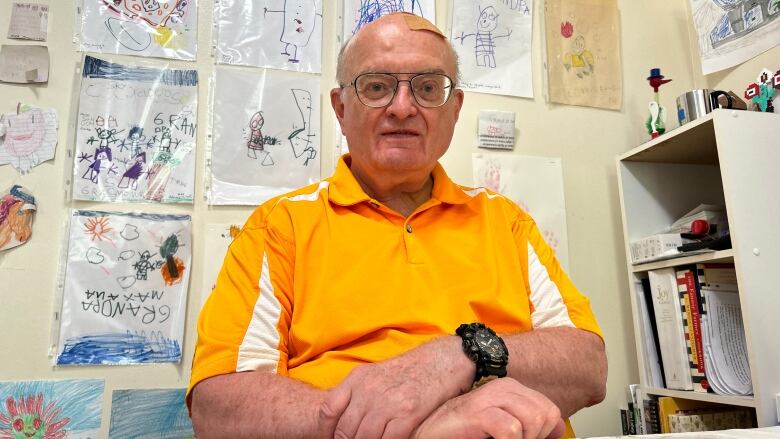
point(761, 93)
point(656, 123)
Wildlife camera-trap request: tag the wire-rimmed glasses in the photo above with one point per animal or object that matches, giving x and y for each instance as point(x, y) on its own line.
point(378, 89)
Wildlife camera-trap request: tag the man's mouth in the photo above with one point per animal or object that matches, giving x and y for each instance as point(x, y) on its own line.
point(401, 133)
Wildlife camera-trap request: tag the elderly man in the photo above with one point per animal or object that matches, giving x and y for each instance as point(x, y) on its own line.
point(377, 302)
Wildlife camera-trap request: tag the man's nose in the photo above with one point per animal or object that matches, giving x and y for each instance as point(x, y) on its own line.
point(403, 104)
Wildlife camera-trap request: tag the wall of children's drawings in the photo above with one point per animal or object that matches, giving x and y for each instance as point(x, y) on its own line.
point(137, 136)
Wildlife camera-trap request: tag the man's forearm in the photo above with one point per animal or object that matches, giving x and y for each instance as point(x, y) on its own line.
point(257, 405)
point(568, 365)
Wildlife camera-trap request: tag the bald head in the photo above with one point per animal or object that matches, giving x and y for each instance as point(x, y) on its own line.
point(389, 27)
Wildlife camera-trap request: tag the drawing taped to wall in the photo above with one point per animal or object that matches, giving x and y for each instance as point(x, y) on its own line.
point(136, 133)
point(583, 54)
point(493, 42)
point(266, 135)
point(536, 185)
point(358, 13)
point(731, 32)
point(125, 288)
point(28, 137)
point(217, 239)
point(17, 209)
point(278, 34)
point(50, 409)
point(156, 28)
point(150, 413)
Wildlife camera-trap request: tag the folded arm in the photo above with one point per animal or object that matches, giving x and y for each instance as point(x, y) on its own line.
point(261, 405)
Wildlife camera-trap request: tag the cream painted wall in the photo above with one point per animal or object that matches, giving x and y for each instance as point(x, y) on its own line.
point(654, 34)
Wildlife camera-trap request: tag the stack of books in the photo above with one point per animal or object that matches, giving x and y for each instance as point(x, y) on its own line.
point(698, 340)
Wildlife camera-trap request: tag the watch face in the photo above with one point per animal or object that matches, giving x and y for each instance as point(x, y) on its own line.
point(489, 344)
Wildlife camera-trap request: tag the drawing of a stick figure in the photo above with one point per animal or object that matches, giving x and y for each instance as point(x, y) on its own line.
point(300, 138)
point(298, 20)
point(102, 153)
point(484, 40)
point(256, 141)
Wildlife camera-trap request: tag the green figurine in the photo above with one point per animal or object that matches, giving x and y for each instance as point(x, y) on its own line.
point(656, 121)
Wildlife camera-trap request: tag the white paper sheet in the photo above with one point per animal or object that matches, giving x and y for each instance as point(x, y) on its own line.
point(725, 348)
point(136, 131)
point(266, 128)
point(29, 21)
point(733, 31)
point(157, 28)
point(217, 240)
point(536, 185)
point(24, 63)
point(29, 138)
point(496, 129)
point(126, 278)
point(358, 13)
point(493, 41)
point(278, 34)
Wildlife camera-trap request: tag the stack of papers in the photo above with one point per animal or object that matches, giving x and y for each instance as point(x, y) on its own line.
point(725, 348)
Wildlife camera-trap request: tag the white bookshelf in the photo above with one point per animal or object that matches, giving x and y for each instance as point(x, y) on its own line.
point(729, 158)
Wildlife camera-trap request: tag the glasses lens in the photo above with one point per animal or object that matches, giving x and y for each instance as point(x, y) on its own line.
point(375, 89)
point(431, 89)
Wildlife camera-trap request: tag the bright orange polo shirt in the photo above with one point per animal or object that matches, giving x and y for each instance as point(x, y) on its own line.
point(324, 279)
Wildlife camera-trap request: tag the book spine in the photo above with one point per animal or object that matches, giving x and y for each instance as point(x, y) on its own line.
point(685, 311)
point(671, 337)
point(700, 383)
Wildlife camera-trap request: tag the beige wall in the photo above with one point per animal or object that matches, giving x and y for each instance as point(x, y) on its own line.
point(654, 34)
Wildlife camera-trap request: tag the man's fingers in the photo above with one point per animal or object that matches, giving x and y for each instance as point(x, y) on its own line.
point(370, 428)
point(333, 406)
point(349, 422)
point(400, 428)
point(558, 430)
point(499, 424)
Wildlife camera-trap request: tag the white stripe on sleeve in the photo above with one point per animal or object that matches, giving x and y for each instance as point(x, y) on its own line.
point(549, 309)
point(259, 349)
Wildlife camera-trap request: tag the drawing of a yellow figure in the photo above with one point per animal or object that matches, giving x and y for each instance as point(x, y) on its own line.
point(297, 26)
point(580, 59)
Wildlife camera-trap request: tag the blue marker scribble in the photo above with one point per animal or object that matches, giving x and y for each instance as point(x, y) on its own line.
point(147, 413)
point(370, 10)
point(98, 68)
point(722, 30)
point(119, 348)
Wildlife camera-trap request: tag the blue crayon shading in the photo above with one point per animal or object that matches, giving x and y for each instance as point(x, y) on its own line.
point(98, 68)
point(149, 413)
point(119, 348)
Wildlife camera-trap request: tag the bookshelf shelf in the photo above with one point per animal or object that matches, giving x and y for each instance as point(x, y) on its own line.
point(716, 256)
point(727, 158)
point(742, 401)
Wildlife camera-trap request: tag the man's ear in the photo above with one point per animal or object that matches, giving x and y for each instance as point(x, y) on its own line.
point(337, 104)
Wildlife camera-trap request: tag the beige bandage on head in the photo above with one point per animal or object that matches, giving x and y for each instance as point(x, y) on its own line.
point(415, 22)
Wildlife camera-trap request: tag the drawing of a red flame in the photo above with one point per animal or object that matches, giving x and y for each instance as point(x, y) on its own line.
point(567, 29)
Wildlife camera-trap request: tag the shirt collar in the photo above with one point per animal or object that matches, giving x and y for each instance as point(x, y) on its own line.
point(345, 190)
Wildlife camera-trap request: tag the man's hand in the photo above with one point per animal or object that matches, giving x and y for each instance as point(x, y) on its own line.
point(502, 408)
point(391, 398)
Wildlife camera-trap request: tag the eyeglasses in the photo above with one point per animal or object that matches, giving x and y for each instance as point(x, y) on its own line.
point(378, 89)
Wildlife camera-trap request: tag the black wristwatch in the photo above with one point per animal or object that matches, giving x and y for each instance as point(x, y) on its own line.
point(486, 349)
